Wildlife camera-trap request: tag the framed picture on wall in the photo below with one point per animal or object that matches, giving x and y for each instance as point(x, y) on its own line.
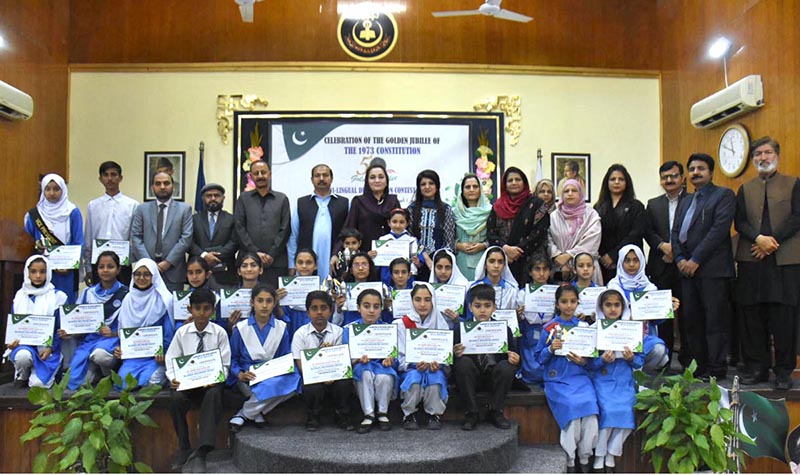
point(172, 163)
point(572, 165)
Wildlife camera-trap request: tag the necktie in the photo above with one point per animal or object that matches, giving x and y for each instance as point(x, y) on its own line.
point(687, 220)
point(320, 337)
point(200, 346)
point(212, 223)
point(160, 231)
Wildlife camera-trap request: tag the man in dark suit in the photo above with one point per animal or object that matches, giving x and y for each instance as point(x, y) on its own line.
point(215, 237)
point(661, 268)
point(318, 220)
point(701, 244)
point(162, 231)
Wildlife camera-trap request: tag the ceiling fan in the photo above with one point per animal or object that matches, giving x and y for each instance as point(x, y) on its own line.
point(489, 8)
point(246, 9)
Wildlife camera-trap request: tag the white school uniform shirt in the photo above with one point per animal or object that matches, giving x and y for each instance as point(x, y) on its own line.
point(185, 343)
point(107, 217)
point(406, 236)
point(305, 339)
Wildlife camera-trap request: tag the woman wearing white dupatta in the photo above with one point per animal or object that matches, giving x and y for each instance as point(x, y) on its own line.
point(148, 304)
point(574, 228)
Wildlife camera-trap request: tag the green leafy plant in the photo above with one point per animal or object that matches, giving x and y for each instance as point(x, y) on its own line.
point(685, 425)
point(86, 432)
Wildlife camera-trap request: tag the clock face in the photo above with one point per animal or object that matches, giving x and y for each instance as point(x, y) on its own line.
point(733, 148)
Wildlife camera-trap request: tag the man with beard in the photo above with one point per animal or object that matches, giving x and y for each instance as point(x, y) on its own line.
point(768, 253)
point(215, 237)
point(162, 231)
point(263, 223)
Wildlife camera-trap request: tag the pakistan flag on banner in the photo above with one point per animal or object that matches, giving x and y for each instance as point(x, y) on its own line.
point(766, 421)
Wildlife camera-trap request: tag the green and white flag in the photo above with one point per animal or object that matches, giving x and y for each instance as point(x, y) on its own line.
point(766, 421)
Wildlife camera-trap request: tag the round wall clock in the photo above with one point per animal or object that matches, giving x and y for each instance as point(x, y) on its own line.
point(734, 147)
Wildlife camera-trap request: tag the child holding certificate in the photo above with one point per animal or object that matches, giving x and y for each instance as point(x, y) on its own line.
point(631, 278)
point(495, 371)
point(305, 264)
point(401, 279)
point(530, 325)
point(94, 355)
point(197, 336)
point(445, 271)
point(398, 229)
point(583, 263)
point(568, 385)
point(148, 304)
point(376, 379)
point(612, 375)
point(197, 275)
point(259, 338)
point(362, 269)
point(319, 333)
point(424, 382)
point(493, 270)
point(36, 366)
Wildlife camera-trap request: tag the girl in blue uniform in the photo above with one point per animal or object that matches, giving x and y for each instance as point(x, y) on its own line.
point(198, 274)
point(445, 271)
point(94, 355)
point(530, 322)
point(612, 375)
point(398, 229)
point(36, 366)
point(493, 270)
point(568, 384)
point(401, 279)
point(305, 264)
point(583, 263)
point(362, 269)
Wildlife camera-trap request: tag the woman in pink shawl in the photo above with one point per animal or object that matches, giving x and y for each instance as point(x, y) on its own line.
point(574, 228)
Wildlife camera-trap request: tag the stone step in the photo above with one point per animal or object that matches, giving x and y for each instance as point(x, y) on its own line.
point(541, 458)
point(292, 449)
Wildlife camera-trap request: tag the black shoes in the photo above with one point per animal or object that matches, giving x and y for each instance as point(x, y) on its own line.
point(312, 423)
point(20, 383)
point(470, 421)
point(783, 382)
point(384, 423)
point(755, 377)
point(499, 420)
point(366, 425)
point(344, 422)
point(434, 423)
point(410, 422)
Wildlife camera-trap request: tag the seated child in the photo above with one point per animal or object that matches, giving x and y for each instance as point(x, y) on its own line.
point(319, 333)
point(351, 243)
point(530, 324)
point(148, 304)
point(376, 379)
point(401, 279)
point(94, 355)
point(36, 367)
point(198, 274)
point(445, 271)
point(305, 264)
point(612, 375)
point(494, 371)
point(362, 269)
point(493, 270)
point(568, 385)
point(260, 338)
point(424, 381)
point(196, 337)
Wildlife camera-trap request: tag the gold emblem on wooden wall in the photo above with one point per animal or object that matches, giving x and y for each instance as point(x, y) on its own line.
point(227, 104)
point(511, 107)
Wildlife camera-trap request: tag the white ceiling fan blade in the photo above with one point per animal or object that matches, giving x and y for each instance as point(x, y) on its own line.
point(246, 12)
point(513, 16)
point(456, 13)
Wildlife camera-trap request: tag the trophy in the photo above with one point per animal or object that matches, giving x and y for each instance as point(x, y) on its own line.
point(343, 265)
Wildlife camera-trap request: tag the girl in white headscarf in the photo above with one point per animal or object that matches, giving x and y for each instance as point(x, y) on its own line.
point(445, 271)
point(493, 270)
point(63, 225)
point(36, 366)
point(148, 304)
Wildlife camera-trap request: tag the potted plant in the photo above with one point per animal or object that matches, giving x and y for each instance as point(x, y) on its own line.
point(87, 432)
point(685, 425)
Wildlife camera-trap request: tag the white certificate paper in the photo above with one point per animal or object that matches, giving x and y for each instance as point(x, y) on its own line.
point(121, 248)
point(429, 346)
point(235, 299)
point(450, 297)
point(615, 335)
point(510, 317)
point(540, 298)
point(142, 342)
point(354, 289)
point(274, 367)
point(81, 319)
point(401, 303)
point(481, 338)
point(198, 370)
point(65, 257)
point(652, 305)
point(587, 300)
point(31, 330)
point(579, 340)
point(390, 249)
point(297, 287)
point(329, 363)
point(375, 341)
point(180, 304)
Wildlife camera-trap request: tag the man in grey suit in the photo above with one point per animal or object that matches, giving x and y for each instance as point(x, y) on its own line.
point(215, 237)
point(162, 230)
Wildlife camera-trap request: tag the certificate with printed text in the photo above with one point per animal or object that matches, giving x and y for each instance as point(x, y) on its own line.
point(31, 330)
point(429, 346)
point(65, 257)
point(615, 335)
point(375, 341)
point(481, 338)
point(450, 297)
point(652, 305)
point(142, 342)
point(297, 287)
point(355, 289)
point(511, 319)
point(180, 304)
point(579, 340)
point(329, 363)
point(540, 298)
point(198, 370)
point(401, 303)
point(274, 367)
point(587, 300)
point(234, 299)
point(82, 319)
point(121, 248)
point(390, 249)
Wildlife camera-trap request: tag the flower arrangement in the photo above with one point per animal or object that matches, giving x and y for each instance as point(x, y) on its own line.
point(484, 165)
point(253, 154)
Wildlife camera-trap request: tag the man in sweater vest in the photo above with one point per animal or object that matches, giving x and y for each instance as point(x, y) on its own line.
point(768, 253)
point(318, 220)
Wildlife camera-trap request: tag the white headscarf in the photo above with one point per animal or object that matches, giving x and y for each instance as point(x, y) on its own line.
point(626, 282)
point(626, 311)
point(456, 277)
point(480, 270)
point(142, 308)
point(435, 321)
point(48, 298)
point(56, 215)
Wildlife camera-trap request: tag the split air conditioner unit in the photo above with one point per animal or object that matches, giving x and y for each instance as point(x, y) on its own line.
point(737, 99)
point(14, 104)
